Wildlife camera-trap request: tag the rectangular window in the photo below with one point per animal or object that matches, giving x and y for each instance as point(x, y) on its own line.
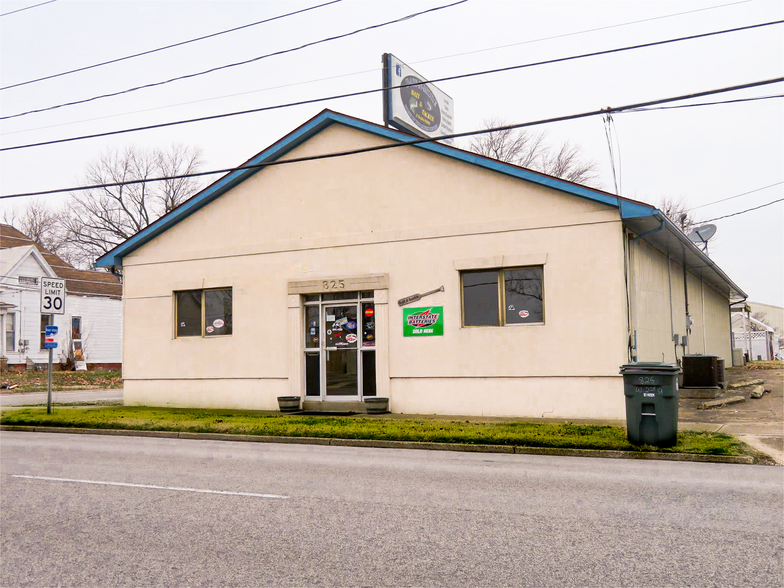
point(44, 323)
point(10, 332)
point(76, 328)
point(500, 297)
point(217, 313)
point(204, 313)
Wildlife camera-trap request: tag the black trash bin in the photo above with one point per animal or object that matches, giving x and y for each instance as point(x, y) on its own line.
point(651, 391)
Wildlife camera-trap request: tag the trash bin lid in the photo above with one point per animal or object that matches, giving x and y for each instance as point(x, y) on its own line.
point(650, 367)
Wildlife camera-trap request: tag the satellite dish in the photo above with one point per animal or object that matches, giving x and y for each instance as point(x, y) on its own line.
point(702, 234)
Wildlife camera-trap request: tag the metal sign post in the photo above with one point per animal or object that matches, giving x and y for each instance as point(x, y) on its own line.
point(51, 345)
point(52, 303)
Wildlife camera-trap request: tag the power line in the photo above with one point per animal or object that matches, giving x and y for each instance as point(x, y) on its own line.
point(245, 62)
point(27, 8)
point(406, 143)
point(593, 30)
point(375, 90)
point(245, 26)
point(744, 211)
point(335, 77)
point(709, 103)
point(736, 196)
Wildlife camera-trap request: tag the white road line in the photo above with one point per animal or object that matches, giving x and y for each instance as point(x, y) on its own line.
point(151, 486)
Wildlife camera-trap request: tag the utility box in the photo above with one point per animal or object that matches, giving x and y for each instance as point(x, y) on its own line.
point(737, 357)
point(651, 391)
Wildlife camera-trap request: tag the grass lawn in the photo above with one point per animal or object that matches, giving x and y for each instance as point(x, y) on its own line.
point(36, 381)
point(429, 430)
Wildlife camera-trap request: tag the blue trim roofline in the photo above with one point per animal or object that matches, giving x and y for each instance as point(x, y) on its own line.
point(327, 117)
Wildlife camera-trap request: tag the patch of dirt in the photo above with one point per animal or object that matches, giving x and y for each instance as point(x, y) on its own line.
point(768, 409)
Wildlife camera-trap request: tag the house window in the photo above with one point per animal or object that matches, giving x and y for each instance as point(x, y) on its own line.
point(28, 281)
point(500, 297)
point(44, 323)
point(76, 328)
point(204, 313)
point(10, 332)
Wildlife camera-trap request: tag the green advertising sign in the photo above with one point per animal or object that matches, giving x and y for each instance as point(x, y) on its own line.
point(426, 321)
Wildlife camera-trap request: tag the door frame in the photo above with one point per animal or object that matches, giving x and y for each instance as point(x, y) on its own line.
point(298, 289)
point(323, 350)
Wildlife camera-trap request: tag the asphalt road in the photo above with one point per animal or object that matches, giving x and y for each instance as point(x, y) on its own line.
point(25, 398)
point(300, 515)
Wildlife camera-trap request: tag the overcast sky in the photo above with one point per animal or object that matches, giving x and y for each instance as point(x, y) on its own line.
point(699, 155)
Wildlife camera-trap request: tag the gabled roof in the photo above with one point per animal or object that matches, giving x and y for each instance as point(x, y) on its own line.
point(12, 258)
point(628, 209)
point(315, 126)
point(80, 282)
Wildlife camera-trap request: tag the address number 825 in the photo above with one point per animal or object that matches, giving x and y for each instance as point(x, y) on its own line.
point(333, 284)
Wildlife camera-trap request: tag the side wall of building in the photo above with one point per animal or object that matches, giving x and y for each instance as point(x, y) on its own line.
point(660, 300)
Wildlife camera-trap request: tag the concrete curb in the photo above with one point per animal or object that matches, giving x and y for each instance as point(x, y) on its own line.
point(384, 444)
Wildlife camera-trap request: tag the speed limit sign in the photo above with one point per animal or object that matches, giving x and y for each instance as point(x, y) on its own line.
point(52, 296)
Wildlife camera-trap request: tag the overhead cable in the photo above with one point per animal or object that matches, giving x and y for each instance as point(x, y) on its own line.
point(374, 70)
point(752, 99)
point(375, 90)
point(27, 7)
point(245, 62)
point(407, 143)
point(736, 196)
point(150, 51)
point(744, 211)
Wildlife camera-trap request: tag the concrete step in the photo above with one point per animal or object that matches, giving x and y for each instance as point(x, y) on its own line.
point(699, 392)
point(335, 406)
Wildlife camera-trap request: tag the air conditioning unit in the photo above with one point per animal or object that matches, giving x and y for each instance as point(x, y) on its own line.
point(700, 371)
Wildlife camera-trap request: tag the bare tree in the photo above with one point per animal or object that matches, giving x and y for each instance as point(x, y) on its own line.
point(677, 211)
point(528, 149)
point(102, 218)
point(761, 317)
point(43, 225)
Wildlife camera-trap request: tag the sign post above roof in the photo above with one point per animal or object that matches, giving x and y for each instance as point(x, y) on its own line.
point(416, 107)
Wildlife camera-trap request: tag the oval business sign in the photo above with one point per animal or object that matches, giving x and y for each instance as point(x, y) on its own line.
point(420, 104)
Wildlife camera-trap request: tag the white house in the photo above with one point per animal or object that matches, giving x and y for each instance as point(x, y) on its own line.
point(93, 306)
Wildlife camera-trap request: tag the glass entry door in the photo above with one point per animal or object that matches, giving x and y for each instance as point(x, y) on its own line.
point(340, 346)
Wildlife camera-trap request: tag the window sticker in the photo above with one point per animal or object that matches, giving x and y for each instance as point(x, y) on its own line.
point(523, 313)
point(312, 331)
point(351, 325)
point(340, 322)
point(330, 317)
point(182, 323)
point(350, 338)
point(369, 312)
point(218, 323)
point(510, 307)
point(210, 329)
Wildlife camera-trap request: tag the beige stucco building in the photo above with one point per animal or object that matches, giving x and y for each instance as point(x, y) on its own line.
point(285, 281)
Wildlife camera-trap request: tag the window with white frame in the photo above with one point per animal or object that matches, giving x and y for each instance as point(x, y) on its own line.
point(503, 297)
point(10, 332)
